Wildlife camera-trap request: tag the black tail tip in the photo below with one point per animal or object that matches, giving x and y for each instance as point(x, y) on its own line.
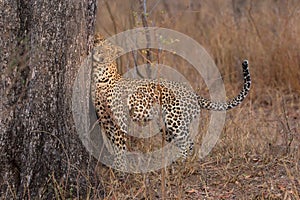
point(245, 63)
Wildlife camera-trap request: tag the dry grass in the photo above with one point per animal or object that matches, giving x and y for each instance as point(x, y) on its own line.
point(257, 156)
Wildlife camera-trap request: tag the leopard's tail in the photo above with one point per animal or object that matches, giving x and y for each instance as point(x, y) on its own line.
point(222, 106)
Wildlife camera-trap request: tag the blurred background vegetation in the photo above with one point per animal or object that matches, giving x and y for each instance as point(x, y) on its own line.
point(265, 32)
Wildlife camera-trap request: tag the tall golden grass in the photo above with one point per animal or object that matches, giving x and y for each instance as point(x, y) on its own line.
point(265, 32)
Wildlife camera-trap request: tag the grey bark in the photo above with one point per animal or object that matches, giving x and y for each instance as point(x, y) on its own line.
point(42, 44)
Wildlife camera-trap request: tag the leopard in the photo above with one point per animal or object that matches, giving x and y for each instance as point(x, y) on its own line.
point(119, 100)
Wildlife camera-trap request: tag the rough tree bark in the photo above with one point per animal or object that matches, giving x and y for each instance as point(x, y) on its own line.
point(42, 44)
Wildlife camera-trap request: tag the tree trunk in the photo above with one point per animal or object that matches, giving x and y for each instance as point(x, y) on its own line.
point(42, 45)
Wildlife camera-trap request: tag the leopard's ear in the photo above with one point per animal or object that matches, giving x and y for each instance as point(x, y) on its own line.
point(98, 38)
